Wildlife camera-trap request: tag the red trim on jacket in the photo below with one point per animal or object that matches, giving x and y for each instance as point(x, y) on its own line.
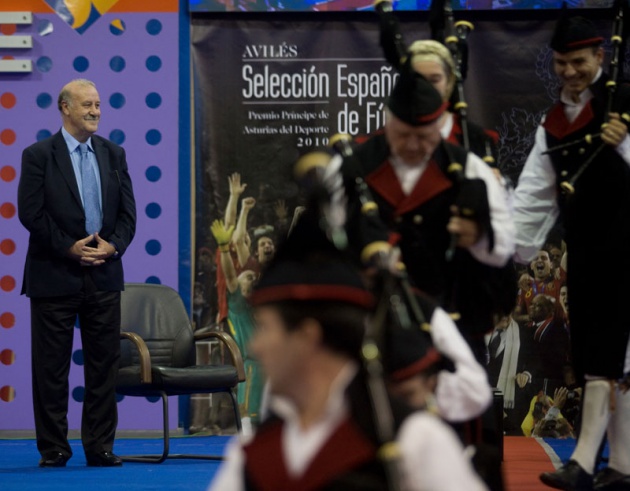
point(345, 450)
point(385, 182)
point(559, 126)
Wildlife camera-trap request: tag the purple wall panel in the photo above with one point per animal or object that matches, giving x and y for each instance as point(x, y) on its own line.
point(140, 112)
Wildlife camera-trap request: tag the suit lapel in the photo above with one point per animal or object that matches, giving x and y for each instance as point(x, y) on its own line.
point(559, 126)
point(432, 183)
point(103, 166)
point(62, 157)
point(385, 182)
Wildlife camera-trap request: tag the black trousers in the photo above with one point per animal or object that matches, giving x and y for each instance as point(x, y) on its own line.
point(52, 328)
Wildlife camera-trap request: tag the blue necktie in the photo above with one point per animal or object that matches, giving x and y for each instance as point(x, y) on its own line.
point(91, 192)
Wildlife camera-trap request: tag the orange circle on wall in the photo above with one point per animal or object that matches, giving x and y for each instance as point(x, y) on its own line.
point(8, 29)
point(7, 100)
point(7, 283)
point(7, 210)
point(7, 393)
point(7, 173)
point(7, 137)
point(7, 246)
point(7, 357)
point(7, 320)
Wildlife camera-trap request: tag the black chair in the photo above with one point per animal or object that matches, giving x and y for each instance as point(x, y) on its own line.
point(160, 359)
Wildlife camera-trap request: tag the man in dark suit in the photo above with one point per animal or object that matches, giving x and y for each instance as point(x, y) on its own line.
point(76, 200)
point(549, 342)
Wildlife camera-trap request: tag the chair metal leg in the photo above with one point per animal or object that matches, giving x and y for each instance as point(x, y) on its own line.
point(237, 413)
point(155, 459)
point(158, 459)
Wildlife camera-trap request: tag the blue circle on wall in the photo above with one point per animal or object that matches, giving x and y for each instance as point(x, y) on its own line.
point(154, 63)
point(153, 280)
point(117, 63)
point(153, 210)
point(44, 100)
point(119, 397)
point(117, 27)
point(42, 135)
point(117, 136)
point(44, 64)
point(77, 357)
point(153, 247)
point(81, 63)
point(154, 27)
point(77, 393)
point(153, 137)
point(153, 100)
point(153, 398)
point(117, 100)
point(153, 173)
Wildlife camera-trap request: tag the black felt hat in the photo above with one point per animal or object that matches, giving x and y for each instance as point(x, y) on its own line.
point(414, 100)
point(308, 267)
point(574, 32)
point(409, 352)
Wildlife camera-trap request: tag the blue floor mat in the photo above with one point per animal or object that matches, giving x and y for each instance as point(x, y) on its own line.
point(564, 448)
point(19, 470)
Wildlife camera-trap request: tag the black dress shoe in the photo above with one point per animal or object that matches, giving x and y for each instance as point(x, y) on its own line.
point(611, 480)
point(570, 477)
point(103, 459)
point(53, 459)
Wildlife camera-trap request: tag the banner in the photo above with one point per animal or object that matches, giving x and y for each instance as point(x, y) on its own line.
point(267, 92)
point(361, 5)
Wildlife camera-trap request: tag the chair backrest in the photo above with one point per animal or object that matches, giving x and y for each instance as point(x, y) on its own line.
point(157, 314)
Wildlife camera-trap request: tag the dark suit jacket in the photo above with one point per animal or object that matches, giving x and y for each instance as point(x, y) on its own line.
point(546, 358)
point(49, 206)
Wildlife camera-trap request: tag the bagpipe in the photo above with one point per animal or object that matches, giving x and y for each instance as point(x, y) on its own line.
point(618, 39)
point(454, 35)
point(319, 174)
point(397, 303)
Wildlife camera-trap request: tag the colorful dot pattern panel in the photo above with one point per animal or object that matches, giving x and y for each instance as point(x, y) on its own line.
point(133, 59)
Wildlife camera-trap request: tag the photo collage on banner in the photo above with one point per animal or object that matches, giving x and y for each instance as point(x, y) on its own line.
point(362, 5)
point(268, 92)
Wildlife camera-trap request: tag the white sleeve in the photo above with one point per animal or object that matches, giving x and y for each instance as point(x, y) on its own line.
point(229, 476)
point(623, 149)
point(500, 216)
point(535, 205)
point(433, 458)
point(465, 393)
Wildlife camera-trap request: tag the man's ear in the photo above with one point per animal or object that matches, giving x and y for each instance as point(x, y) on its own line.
point(600, 54)
point(432, 381)
point(311, 331)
